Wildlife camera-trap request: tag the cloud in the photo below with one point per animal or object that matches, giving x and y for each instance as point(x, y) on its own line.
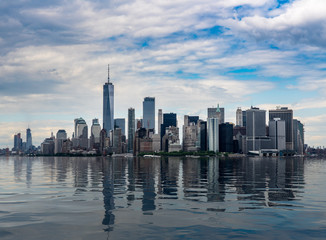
point(298, 22)
point(188, 54)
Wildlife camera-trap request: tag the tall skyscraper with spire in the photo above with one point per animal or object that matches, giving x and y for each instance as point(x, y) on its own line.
point(28, 139)
point(108, 104)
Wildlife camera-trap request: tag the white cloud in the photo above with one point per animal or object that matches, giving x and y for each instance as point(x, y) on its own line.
point(301, 21)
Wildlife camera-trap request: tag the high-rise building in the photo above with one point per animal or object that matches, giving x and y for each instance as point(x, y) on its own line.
point(169, 119)
point(61, 134)
point(18, 142)
point(159, 121)
point(256, 129)
point(149, 113)
point(203, 136)
point(131, 129)
point(256, 122)
point(108, 105)
point(216, 113)
point(81, 129)
point(287, 115)
point(191, 134)
point(95, 133)
point(120, 123)
point(58, 142)
point(277, 133)
point(244, 118)
point(116, 141)
point(81, 133)
point(298, 137)
point(226, 137)
point(29, 142)
point(239, 118)
point(213, 134)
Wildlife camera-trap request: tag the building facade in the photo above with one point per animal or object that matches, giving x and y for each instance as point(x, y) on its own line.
point(226, 137)
point(149, 113)
point(287, 115)
point(108, 105)
point(213, 134)
point(277, 134)
point(239, 118)
point(131, 129)
point(120, 123)
point(216, 113)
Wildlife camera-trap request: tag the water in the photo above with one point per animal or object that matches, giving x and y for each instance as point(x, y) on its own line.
point(170, 198)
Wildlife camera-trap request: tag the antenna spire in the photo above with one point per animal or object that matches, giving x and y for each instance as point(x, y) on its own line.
point(108, 73)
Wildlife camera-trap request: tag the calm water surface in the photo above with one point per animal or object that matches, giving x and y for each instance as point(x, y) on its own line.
point(168, 198)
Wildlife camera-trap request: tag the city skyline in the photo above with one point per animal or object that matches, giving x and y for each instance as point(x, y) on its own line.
point(190, 57)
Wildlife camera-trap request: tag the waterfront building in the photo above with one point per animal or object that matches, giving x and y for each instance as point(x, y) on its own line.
point(159, 121)
point(29, 142)
point(169, 119)
point(239, 136)
point(47, 147)
point(108, 104)
point(239, 117)
point(244, 118)
point(95, 134)
point(203, 136)
point(287, 115)
point(171, 140)
point(216, 113)
point(81, 134)
point(103, 141)
point(143, 142)
point(61, 136)
point(213, 134)
point(117, 141)
point(120, 123)
point(156, 143)
point(256, 130)
point(191, 132)
point(18, 142)
point(149, 113)
point(131, 129)
point(226, 137)
point(277, 134)
point(298, 137)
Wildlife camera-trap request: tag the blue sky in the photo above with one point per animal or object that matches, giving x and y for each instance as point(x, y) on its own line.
point(189, 54)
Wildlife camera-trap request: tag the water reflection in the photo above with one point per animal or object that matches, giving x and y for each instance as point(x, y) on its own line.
point(150, 185)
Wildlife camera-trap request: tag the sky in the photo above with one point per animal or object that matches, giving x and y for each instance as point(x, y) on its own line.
point(189, 55)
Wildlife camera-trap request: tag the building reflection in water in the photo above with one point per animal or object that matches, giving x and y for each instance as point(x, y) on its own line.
point(108, 193)
point(151, 184)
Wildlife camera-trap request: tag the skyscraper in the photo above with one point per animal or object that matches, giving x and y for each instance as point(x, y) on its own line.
point(18, 142)
point(287, 115)
point(95, 132)
point(159, 121)
point(226, 137)
point(120, 123)
point(108, 105)
point(277, 133)
point(213, 134)
point(58, 142)
point(149, 113)
point(298, 136)
point(256, 130)
point(169, 119)
point(239, 118)
point(131, 128)
point(81, 129)
point(28, 139)
point(216, 113)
